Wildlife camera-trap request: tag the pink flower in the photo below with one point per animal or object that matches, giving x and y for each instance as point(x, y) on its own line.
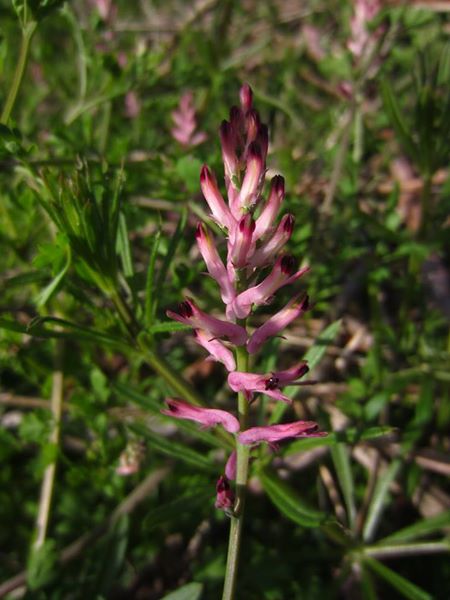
point(268, 384)
point(228, 142)
point(230, 467)
point(214, 264)
point(239, 249)
point(282, 274)
point(208, 417)
point(271, 208)
point(361, 36)
point(220, 211)
point(253, 178)
point(217, 350)
point(224, 494)
point(275, 433)
point(190, 314)
point(270, 249)
point(186, 123)
point(293, 309)
point(132, 105)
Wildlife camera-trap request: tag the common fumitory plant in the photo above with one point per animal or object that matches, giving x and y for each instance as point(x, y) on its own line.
point(254, 269)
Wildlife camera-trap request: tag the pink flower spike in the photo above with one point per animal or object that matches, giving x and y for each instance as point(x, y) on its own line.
point(213, 197)
point(191, 315)
point(246, 97)
point(230, 467)
point(214, 264)
point(271, 208)
point(186, 123)
point(293, 309)
point(269, 249)
point(216, 349)
point(208, 417)
point(275, 433)
point(224, 494)
point(240, 248)
point(282, 274)
point(254, 173)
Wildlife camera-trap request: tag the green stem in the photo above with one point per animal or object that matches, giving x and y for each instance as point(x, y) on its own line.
point(19, 72)
point(237, 519)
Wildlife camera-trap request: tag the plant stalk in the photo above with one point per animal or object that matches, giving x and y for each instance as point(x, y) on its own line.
point(19, 72)
point(49, 474)
point(237, 519)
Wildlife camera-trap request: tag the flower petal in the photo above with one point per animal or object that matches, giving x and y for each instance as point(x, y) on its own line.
point(293, 309)
point(276, 433)
point(190, 314)
point(208, 417)
point(216, 349)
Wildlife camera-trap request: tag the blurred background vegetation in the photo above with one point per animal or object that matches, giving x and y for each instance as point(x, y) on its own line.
point(98, 207)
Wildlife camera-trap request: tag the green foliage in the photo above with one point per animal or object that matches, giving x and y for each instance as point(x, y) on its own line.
point(98, 208)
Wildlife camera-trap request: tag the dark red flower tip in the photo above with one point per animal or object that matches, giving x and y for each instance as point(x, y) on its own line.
point(226, 132)
point(222, 484)
point(288, 225)
point(235, 117)
point(205, 173)
point(199, 231)
point(271, 383)
point(254, 151)
point(278, 185)
point(247, 224)
point(305, 302)
point(288, 265)
point(185, 309)
point(302, 370)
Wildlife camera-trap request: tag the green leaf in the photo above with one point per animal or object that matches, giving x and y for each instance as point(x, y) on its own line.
point(191, 591)
point(289, 503)
point(418, 530)
point(45, 295)
point(379, 498)
point(396, 117)
point(402, 585)
point(41, 567)
point(123, 247)
point(167, 327)
point(339, 454)
point(112, 557)
point(150, 305)
point(175, 240)
point(318, 349)
point(188, 168)
point(35, 328)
